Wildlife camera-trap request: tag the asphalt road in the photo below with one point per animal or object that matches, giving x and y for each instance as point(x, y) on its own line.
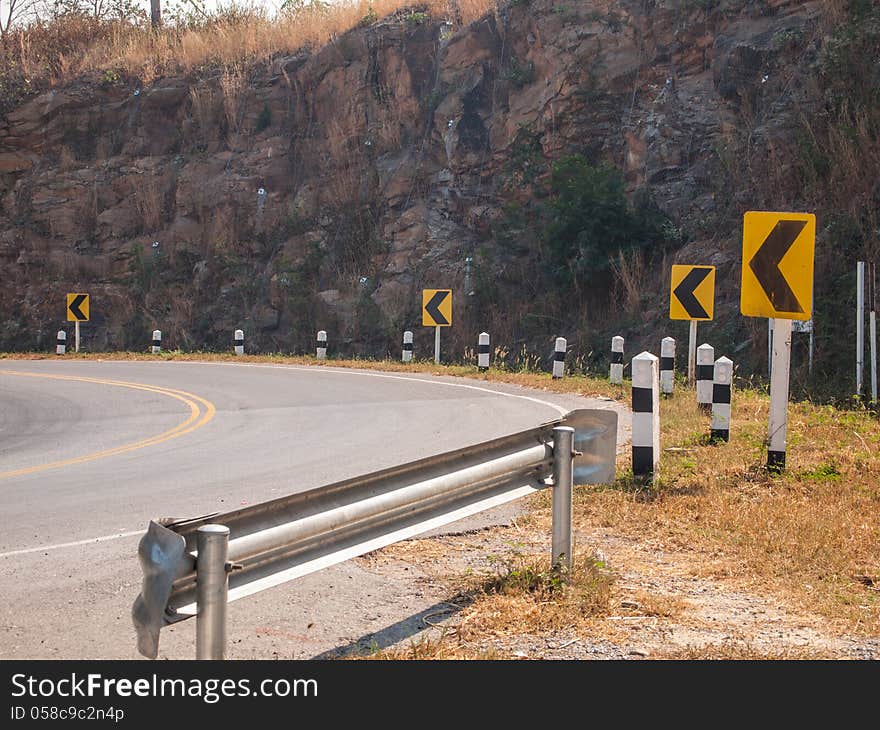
point(90, 451)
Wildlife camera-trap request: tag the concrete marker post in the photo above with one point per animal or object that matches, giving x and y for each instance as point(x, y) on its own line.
point(645, 416)
point(563, 483)
point(778, 422)
point(157, 342)
point(705, 373)
point(616, 374)
point(61, 343)
point(239, 342)
point(407, 353)
point(667, 366)
point(559, 350)
point(321, 345)
point(483, 351)
point(722, 387)
point(212, 591)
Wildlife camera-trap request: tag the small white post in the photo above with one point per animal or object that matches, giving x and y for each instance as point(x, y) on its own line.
point(667, 366)
point(559, 357)
point(321, 346)
point(722, 386)
point(860, 327)
point(810, 356)
point(61, 343)
point(692, 353)
point(157, 341)
point(76, 336)
point(239, 342)
point(645, 415)
point(616, 374)
point(779, 395)
point(872, 327)
point(769, 347)
point(407, 354)
point(436, 345)
point(483, 351)
point(705, 373)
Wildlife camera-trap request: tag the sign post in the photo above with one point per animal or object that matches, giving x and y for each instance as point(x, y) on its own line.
point(692, 297)
point(437, 313)
point(77, 311)
point(872, 327)
point(777, 282)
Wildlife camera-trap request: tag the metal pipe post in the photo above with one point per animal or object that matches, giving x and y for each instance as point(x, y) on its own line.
point(872, 327)
point(563, 460)
point(779, 395)
point(76, 336)
point(212, 587)
point(692, 353)
point(436, 345)
point(860, 326)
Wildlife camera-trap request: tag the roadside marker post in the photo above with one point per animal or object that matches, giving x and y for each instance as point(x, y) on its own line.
point(645, 415)
point(483, 351)
point(860, 328)
point(705, 373)
point(407, 353)
point(722, 386)
point(667, 366)
point(616, 374)
point(321, 345)
point(437, 313)
point(559, 350)
point(61, 343)
point(777, 283)
point(157, 342)
point(239, 342)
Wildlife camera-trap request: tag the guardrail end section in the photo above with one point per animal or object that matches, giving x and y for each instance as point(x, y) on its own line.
point(595, 437)
point(161, 552)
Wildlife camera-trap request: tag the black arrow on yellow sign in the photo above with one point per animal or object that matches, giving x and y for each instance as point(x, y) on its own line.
point(74, 307)
point(684, 292)
point(433, 307)
point(765, 265)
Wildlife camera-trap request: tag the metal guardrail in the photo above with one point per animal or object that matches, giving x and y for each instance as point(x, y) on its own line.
point(196, 566)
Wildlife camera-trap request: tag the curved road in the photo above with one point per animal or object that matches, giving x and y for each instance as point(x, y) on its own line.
point(90, 451)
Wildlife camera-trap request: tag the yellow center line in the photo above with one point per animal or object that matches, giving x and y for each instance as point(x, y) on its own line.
point(195, 420)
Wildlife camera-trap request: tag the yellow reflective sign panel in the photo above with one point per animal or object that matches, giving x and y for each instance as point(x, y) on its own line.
point(77, 307)
point(777, 265)
point(692, 292)
point(437, 307)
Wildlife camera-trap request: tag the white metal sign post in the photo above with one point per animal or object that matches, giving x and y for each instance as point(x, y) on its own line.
point(872, 326)
point(779, 394)
point(692, 354)
point(860, 327)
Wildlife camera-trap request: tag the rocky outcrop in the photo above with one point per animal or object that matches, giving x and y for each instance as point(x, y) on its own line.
point(326, 188)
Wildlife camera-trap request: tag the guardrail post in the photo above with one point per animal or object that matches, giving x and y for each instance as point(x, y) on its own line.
point(407, 354)
point(239, 342)
point(563, 478)
point(321, 347)
point(157, 341)
point(722, 384)
point(483, 351)
point(559, 357)
point(667, 366)
point(212, 588)
point(616, 374)
point(61, 343)
point(705, 373)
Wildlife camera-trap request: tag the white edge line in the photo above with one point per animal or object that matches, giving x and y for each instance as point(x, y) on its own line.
point(313, 369)
point(354, 551)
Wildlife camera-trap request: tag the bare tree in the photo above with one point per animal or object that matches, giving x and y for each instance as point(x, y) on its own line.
point(13, 12)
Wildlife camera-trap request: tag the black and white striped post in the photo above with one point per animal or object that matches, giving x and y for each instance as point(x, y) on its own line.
point(616, 374)
point(705, 373)
point(667, 366)
point(722, 386)
point(157, 342)
point(407, 354)
point(559, 357)
point(239, 342)
point(61, 343)
point(321, 346)
point(645, 415)
point(483, 351)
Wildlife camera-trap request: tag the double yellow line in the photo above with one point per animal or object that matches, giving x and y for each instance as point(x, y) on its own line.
point(200, 412)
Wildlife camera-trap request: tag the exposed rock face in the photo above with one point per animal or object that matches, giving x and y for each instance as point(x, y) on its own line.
point(324, 190)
